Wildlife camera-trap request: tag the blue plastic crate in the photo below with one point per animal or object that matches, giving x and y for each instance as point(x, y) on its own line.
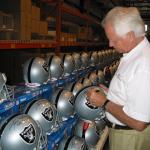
point(25, 94)
point(61, 82)
point(8, 108)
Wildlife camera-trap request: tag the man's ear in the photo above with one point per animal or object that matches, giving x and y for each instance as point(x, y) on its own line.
point(130, 35)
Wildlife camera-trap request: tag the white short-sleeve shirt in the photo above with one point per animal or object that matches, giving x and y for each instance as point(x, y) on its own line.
point(130, 86)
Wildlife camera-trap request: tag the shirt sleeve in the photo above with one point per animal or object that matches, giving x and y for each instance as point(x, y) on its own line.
point(137, 105)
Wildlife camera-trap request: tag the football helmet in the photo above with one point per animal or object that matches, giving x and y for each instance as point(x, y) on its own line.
point(100, 125)
point(68, 63)
point(93, 58)
point(100, 56)
point(84, 60)
point(64, 102)
point(20, 132)
point(100, 76)
point(93, 77)
point(87, 131)
point(55, 67)
point(74, 87)
point(72, 143)
point(35, 70)
point(77, 60)
point(86, 82)
point(44, 113)
point(84, 109)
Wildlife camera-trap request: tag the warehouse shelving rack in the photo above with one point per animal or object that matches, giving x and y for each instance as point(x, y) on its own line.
point(56, 43)
point(18, 45)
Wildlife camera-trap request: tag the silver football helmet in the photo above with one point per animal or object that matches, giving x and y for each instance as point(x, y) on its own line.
point(86, 82)
point(84, 60)
point(74, 87)
point(55, 93)
point(84, 109)
point(68, 63)
point(35, 70)
point(44, 113)
point(107, 73)
point(100, 76)
point(93, 77)
point(100, 125)
point(20, 132)
point(111, 68)
point(93, 59)
point(77, 60)
point(100, 56)
point(87, 131)
point(55, 67)
point(64, 102)
point(72, 143)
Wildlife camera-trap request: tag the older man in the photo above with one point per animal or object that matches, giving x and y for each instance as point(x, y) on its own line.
point(128, 99)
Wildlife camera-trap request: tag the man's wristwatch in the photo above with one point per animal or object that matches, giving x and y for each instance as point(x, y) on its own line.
point(105, 103)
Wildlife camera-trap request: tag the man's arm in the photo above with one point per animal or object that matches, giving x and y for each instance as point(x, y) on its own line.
point(117, 111)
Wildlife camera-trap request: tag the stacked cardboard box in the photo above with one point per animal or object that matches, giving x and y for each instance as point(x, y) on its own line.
point(35, 18)
point(23, 20)
point(43, 27)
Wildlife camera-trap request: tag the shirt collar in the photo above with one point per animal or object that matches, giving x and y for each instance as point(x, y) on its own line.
point(136, 50)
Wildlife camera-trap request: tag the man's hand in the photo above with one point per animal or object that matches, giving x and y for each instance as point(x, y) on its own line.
point(96, 97)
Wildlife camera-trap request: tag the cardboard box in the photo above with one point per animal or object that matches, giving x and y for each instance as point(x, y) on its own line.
point(35, 13)
point(43, 27)
point(35, 26)
point(25, 33)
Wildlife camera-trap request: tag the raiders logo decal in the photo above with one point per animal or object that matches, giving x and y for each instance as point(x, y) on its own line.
point(61, 66)
point(83, 147)
point(28, 134)
point(90, 105)
point(71, 100)
point(45, 66)
point(48, 114)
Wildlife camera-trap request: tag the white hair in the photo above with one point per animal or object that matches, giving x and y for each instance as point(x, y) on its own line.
point(124, 20)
